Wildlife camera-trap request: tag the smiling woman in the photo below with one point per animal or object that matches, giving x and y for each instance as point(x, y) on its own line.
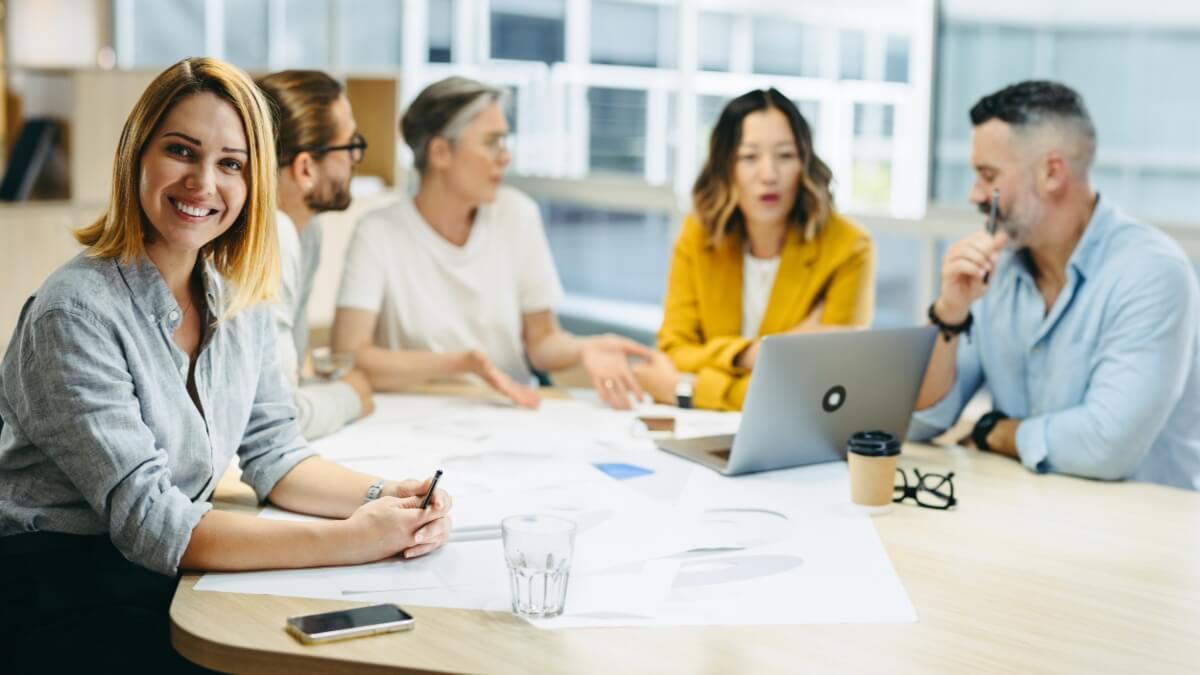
point(238, 163)
point(137, 372)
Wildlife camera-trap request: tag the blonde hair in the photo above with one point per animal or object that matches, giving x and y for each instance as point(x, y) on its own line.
point(247, 254)
point(714, 196)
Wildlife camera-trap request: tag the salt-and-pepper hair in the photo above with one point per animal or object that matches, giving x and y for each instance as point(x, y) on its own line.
point(1044, 114)
point(443, 110)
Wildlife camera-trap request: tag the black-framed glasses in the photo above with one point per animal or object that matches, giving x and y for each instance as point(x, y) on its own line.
point(357, 147)
point(931, 490)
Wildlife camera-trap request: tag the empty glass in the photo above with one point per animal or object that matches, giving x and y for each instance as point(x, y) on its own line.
point(538, 550)
point(332, 365)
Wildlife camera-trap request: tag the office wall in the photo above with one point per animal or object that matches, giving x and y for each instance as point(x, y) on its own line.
point(34, 240)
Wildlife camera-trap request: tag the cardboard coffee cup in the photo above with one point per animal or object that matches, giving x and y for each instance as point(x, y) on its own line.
point(872, 456)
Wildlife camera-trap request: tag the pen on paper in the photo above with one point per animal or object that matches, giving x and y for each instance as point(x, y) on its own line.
point(432, 486)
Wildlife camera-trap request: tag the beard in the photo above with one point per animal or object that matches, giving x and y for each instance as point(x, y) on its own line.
point(1018, 221)
point(329, 196)
point(1023, 218)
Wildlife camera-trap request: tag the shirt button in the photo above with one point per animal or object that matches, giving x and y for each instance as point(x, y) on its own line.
point(173, 315)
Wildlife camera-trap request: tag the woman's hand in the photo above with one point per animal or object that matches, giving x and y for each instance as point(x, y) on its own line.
point(606, 360)
point(658, 377)
point(811, 324)
point(388, 526)
point(477, 363)
point(418, 488)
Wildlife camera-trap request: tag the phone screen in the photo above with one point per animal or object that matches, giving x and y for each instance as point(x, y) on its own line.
point(359, 617)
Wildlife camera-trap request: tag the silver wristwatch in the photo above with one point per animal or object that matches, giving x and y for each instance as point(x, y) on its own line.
point(684, 389)
point(374, 491)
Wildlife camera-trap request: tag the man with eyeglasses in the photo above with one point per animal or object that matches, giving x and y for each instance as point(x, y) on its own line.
point(318, 147)
point(1080, 320)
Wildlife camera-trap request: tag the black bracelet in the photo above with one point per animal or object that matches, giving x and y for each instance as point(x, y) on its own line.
point(949, 330)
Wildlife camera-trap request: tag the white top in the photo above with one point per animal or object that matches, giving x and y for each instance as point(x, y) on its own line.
point(432, 295)
point(758, 277)
point(322, 407)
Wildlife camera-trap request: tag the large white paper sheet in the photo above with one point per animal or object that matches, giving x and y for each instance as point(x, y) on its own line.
point(679, 546)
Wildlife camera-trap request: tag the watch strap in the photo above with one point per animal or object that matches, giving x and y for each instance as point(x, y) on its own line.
point(374, 491)
point(983, 428)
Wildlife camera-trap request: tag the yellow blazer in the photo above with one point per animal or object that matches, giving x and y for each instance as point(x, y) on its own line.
point(702, 314)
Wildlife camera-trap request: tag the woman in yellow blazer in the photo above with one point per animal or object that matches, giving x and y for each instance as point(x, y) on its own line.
point(763, 253)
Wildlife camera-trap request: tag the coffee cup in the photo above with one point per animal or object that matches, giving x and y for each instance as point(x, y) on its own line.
point(872, 457)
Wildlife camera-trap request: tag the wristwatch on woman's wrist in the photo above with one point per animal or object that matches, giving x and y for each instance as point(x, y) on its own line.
point(684, 389)
point(374, 491)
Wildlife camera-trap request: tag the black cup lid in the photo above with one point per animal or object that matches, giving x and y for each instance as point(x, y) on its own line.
point(874, 444)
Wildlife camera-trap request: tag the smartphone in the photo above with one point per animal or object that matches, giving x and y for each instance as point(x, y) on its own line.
point(349, 623)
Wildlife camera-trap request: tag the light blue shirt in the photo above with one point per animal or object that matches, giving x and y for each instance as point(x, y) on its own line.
point(1107, 384)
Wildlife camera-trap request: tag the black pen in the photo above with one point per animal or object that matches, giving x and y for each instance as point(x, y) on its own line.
point(991, 222)
point(432, 486)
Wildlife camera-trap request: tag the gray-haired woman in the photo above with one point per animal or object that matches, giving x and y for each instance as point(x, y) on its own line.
point(458, 280)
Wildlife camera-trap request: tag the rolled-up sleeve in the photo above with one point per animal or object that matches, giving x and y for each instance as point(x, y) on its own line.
point(1137, 374)
point(272, 444)
point(82, 410)
point(968, 378)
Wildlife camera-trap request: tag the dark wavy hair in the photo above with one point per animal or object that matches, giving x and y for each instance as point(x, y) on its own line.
point(714, 197)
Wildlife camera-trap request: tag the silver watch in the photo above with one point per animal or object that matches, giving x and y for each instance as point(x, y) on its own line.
point(374, 491)
point(684, 389)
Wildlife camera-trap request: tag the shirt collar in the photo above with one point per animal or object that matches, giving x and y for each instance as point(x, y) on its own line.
point(154, 299)
point(1086, 256)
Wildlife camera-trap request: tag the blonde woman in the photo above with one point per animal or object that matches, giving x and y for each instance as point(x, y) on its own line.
point(764, 252)
point(135, 374)
point(459, 280)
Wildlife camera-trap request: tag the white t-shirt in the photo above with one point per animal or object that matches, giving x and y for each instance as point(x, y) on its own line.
point(758, 278)
point(432, 295)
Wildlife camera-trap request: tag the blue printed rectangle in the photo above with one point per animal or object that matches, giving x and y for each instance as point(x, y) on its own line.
point(622, 471)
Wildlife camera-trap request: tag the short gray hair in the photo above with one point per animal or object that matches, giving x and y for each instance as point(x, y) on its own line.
point(444, 109)
point(1043, 108)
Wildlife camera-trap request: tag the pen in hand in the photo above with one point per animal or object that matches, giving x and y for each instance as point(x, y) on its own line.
point(432, 486)
point(991, 221)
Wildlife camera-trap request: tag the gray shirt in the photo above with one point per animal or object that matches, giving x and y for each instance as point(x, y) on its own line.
point(323, 407)
point(100, 434)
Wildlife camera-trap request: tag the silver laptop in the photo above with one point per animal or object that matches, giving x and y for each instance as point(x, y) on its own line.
point(810, 393)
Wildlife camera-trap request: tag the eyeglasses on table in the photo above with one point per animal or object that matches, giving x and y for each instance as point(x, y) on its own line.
point(930, 490)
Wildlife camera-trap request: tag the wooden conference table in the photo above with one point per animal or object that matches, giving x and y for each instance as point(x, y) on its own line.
point(1030, 574)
